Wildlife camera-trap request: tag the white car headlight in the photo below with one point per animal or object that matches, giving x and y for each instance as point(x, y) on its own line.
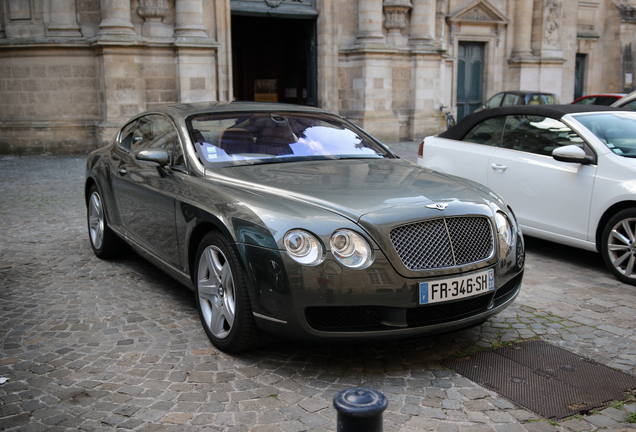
point(303, 247)
point(505, 233)
point(351, 249)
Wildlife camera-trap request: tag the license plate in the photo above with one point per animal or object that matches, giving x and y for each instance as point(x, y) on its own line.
point(457, 288)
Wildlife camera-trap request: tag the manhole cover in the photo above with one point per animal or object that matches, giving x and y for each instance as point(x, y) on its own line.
point(546, 379)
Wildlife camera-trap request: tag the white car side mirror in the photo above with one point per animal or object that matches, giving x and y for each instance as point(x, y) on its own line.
point(571, 153)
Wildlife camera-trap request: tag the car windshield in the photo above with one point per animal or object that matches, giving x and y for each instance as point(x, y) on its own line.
point(254, 138)
point(616, 130)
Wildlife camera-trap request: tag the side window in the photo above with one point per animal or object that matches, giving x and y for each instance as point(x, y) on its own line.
point(511, 99)
point(630, 106)
point(155, 132)
point(538, 135)
point(142, 135)
point(495, 101)
point(487, 132)
point(126, 137)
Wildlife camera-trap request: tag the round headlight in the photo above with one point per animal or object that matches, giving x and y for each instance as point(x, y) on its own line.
point(504, 231)
point(351, 249)
point(303, 247)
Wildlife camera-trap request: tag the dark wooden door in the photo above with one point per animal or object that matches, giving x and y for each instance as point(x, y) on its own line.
point(470, 76)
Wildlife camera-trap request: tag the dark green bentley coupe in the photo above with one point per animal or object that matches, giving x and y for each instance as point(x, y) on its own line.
point(291, 221)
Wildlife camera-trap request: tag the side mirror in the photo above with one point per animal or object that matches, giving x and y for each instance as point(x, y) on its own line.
point(571, 153)
point(153, 157)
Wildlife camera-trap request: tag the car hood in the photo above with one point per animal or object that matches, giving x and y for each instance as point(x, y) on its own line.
point(354, 188)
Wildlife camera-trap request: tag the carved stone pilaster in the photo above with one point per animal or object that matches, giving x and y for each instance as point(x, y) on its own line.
point(552, 29)
point(628, 13)
point(153, 12)
point(395, 16)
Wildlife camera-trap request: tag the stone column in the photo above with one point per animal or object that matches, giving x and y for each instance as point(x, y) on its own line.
point(63, 19)
point(396, 12)
point(189, 20)
point(423, 22)
point(370, 21)
point(115, 18)
point(523, 28)
point(196, 54)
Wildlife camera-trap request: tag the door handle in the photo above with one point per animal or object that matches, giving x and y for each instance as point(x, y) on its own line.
point(499, 167)
point(122, 171)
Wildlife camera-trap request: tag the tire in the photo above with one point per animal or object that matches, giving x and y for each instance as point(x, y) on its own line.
point(104, 241)
point(619, 245)
point(221, 295)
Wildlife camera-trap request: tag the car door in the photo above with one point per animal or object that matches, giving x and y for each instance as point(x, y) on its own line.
point(547, 195)
point(147, 193)
point(467, 158)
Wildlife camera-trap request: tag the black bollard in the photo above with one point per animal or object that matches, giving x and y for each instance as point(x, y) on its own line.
point(360, 410)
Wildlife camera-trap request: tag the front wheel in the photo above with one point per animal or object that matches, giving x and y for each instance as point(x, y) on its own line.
point(619, 245)
point(221, 296)
point(104, 242)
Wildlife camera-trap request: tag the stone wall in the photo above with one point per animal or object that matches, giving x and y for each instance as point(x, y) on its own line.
point(72, 71)
point(48, 101)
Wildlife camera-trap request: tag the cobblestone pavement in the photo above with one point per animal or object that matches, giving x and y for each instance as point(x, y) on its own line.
point(97, 345)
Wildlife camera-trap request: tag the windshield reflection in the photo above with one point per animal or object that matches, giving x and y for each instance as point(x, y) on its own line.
point(256, 138)
point(617, 130)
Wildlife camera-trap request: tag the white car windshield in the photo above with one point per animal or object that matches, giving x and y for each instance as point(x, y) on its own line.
point(616, 129)
point(252, 138)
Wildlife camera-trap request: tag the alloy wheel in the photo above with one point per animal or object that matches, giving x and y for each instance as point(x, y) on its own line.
point(96, 220)
point(621, 247)
point(216, 291)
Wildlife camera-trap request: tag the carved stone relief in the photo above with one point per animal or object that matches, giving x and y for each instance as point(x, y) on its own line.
point(552, 17)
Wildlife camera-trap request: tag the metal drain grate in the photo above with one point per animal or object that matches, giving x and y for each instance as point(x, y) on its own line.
point(546, 379)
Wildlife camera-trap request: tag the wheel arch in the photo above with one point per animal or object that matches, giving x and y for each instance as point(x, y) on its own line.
point(609, 213)
point(195, 240)
point(90, 182)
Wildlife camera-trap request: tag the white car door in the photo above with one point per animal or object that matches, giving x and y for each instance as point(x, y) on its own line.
point(467, 158)
point(550, 198)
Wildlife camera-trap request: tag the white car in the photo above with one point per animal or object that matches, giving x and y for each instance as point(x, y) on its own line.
point(627, 102)
point(569, 172)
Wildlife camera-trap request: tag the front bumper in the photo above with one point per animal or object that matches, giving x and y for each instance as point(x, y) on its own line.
point(330, 302)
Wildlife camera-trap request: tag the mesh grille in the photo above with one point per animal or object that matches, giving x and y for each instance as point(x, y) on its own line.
point(333, 317)
point(446, 312)
point(367, 318)
point(440, 243)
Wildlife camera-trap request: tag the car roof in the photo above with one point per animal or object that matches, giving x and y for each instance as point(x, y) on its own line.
point(524, 92)
point(458, 131)
point(187, 109)
point(602, 94)
point(596, 95)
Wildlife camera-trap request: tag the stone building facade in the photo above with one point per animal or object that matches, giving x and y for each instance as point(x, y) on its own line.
point(72, 71)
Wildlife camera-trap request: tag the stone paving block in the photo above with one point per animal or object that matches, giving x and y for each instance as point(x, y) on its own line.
point(540, 426)
point(600, 421)
point(614, 414)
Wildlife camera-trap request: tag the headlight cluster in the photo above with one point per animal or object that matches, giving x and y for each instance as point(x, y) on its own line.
point(505, 233)
point(303, 247)
point(348, 247)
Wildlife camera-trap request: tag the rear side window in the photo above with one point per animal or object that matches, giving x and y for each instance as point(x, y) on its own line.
point(512, 99)
point(487, 132)
point(495, 101)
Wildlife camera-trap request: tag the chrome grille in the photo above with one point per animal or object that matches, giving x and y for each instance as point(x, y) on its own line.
point(446, 242)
